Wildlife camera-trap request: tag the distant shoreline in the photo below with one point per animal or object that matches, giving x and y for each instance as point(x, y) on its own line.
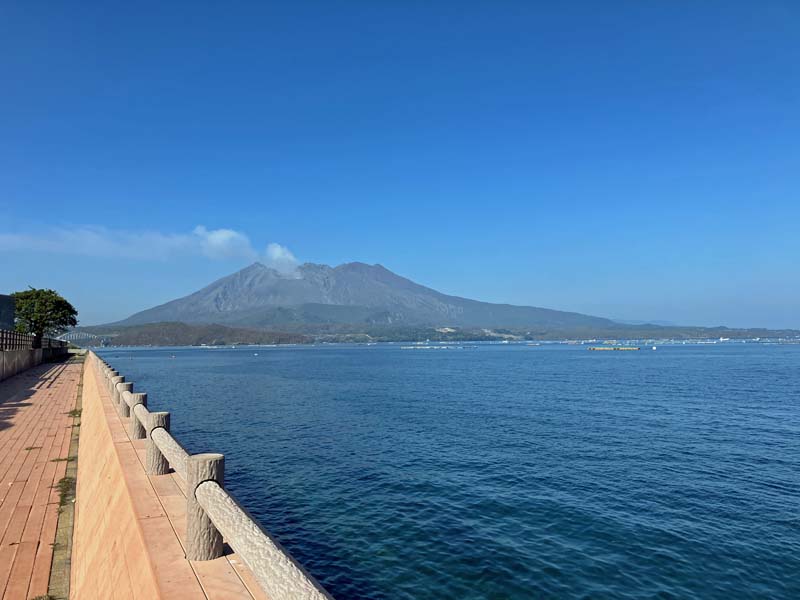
point(214, 335)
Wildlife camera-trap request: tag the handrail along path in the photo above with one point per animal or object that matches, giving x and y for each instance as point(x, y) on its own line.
point(212, 514)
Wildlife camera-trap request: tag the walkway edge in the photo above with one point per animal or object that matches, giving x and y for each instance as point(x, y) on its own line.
point(58, 586)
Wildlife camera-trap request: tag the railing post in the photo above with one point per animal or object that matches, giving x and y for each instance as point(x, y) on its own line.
point(136, 429)
point(110, 383)
point(157, 464)
point(114, 393)
point(123, 406)
point(203, 541)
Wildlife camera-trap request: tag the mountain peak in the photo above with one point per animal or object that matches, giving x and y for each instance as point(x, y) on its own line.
point(360, 266)
point(257, 269)
point(256, 266)
point(350, 293)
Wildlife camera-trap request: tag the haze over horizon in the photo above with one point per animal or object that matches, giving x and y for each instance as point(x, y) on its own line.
point(633, 161)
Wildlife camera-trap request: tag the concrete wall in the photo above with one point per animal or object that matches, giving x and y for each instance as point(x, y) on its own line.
point(110, 558)
point(17, 361)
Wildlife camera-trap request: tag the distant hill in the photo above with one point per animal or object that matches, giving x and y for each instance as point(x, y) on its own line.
point(352, 293)
point(640, 322)
point(183, 334)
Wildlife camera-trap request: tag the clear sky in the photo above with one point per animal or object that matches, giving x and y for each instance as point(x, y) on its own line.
point(636, 160)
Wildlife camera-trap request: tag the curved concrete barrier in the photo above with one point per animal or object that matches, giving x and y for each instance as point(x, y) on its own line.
point(211, 512)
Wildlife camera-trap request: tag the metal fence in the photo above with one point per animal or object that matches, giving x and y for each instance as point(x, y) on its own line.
point(211, 512)
point(13, 340)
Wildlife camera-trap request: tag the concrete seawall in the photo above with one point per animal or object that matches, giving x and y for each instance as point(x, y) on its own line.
point(17, 361)
point(130, 533)
point(110, 556)
point(167, 514)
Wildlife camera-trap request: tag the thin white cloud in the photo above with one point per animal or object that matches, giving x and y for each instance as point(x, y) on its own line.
point(224, 243)
point(99, 241)
point(88, 240)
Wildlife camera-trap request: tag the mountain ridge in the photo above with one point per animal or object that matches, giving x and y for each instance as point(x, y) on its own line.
point(355, 292)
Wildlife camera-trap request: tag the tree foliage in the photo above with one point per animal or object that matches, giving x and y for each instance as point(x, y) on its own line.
point(43, 312)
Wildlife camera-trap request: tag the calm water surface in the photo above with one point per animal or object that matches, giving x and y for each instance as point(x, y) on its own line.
point(505, 472)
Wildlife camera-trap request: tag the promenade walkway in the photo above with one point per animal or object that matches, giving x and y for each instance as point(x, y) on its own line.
point(35, 430)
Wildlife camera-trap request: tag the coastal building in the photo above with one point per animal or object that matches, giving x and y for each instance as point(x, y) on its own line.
point(6, 312)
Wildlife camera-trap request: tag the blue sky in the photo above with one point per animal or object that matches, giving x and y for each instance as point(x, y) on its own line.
point(636, 160)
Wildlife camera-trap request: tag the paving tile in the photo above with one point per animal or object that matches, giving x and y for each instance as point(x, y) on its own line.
point(20, 577)
point(44, 556)
point(218, 578)
point(7, 555)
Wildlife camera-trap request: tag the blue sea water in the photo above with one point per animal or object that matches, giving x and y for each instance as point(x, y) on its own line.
point(505, 472)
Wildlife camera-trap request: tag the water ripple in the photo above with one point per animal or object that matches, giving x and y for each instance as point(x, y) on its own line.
point(506, 472)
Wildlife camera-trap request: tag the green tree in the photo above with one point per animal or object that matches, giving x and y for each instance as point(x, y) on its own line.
point(43, 312)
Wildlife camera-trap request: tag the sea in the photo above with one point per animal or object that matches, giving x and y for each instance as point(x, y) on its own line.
point(504, 471)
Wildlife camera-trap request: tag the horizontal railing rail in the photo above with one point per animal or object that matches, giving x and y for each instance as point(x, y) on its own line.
point(174, 453)
point(277, 572)
point(14, 340)
point(211, 512)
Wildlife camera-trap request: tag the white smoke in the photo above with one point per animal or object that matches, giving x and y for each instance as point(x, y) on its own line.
point(280, 258)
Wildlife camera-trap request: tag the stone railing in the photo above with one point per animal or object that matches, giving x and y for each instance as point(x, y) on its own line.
point(211, 512)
